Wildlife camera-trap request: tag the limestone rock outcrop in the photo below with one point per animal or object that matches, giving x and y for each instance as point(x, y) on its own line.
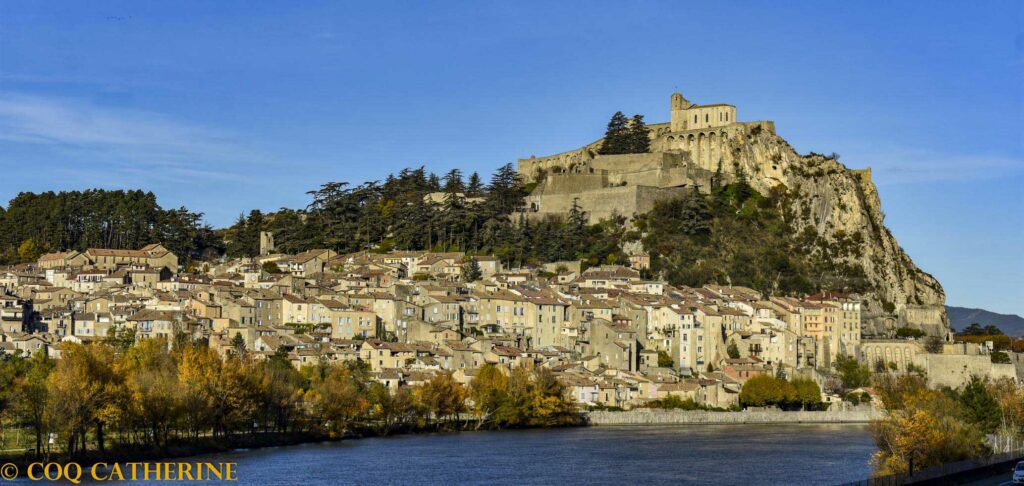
point(837, 207)
point(841, 206)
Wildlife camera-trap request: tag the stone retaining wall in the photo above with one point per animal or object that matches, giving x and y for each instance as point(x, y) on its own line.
point(692, 417)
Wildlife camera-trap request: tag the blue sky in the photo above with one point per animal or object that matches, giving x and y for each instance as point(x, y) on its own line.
point(227, 106)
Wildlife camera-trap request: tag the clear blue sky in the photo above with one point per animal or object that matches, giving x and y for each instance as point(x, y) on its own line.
point(227, 106)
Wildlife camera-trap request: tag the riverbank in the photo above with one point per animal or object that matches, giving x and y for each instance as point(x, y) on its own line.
point(647, 416)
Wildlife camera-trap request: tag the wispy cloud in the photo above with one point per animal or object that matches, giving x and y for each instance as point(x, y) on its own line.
point(130, 141)
point(909, 166)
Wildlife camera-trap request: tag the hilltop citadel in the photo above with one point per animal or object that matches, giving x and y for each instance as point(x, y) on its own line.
point(685, 153)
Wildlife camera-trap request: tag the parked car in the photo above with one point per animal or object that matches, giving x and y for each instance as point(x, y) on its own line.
point(1018, 473)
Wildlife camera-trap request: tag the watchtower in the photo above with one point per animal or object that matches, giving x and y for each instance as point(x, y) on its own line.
point(266, 242)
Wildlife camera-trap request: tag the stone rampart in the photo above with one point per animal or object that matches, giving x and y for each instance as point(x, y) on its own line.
point(644, 416)
point(601, 203)
point(956, 370)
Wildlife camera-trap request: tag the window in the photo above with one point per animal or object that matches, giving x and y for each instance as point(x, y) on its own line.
point(706, 118)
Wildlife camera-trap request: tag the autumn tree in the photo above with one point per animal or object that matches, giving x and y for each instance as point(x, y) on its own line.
point(488, 390)
point(807, 393)
point(151, 379)
point(82, 387)
point(443, 397)
point(31, 396)
point(198, 371)
point(767, 390)
point(922, 426)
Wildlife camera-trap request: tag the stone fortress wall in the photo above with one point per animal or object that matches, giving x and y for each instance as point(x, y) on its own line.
point(953, 367)
point(685, 153)
point(898, 351)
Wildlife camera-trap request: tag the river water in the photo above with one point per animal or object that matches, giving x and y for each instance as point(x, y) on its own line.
point(706, 454)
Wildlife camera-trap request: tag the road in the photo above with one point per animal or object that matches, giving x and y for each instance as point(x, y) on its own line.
point(1001, 479)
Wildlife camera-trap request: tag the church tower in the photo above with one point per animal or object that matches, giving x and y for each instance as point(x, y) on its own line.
point(678, 102)
point(679, 105)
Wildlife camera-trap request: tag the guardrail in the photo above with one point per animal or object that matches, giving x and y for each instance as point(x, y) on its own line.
point(951, 473)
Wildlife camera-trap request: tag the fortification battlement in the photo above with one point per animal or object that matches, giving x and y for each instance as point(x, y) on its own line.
point(685, 153)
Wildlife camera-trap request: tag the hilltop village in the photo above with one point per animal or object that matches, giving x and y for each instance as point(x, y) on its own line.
point(613, 338)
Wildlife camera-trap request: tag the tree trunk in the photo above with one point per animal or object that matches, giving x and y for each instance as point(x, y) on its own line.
point(99, 436)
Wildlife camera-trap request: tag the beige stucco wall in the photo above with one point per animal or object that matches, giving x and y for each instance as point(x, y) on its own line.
point(698, 117)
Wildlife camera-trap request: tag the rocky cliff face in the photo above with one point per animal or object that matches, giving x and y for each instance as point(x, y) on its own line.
point(840, 209)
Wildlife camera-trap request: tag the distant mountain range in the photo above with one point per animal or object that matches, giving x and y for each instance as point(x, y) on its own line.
point(961, 317)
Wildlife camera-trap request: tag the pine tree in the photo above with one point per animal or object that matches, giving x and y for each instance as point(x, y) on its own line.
point(639, 136)
point(980, 407)
point(472, 271)
point(575, 231)
point(504, 194)
point(237, 246)
point(475, 186)
point(238, 343)
point(453, 182)
point(694, 214)
point(616, 137)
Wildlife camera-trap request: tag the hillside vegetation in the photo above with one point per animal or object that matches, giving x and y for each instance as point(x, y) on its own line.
point(735, 235)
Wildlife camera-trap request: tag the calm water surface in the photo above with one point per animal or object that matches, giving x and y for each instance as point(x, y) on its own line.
point(727, 454)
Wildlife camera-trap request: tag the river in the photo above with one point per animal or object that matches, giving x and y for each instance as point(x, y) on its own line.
point(707, 454)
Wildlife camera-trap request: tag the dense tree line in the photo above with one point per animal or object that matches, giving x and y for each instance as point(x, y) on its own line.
point(397, 214)
point(112, 396)
point(976, 329)
point(33, 224)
